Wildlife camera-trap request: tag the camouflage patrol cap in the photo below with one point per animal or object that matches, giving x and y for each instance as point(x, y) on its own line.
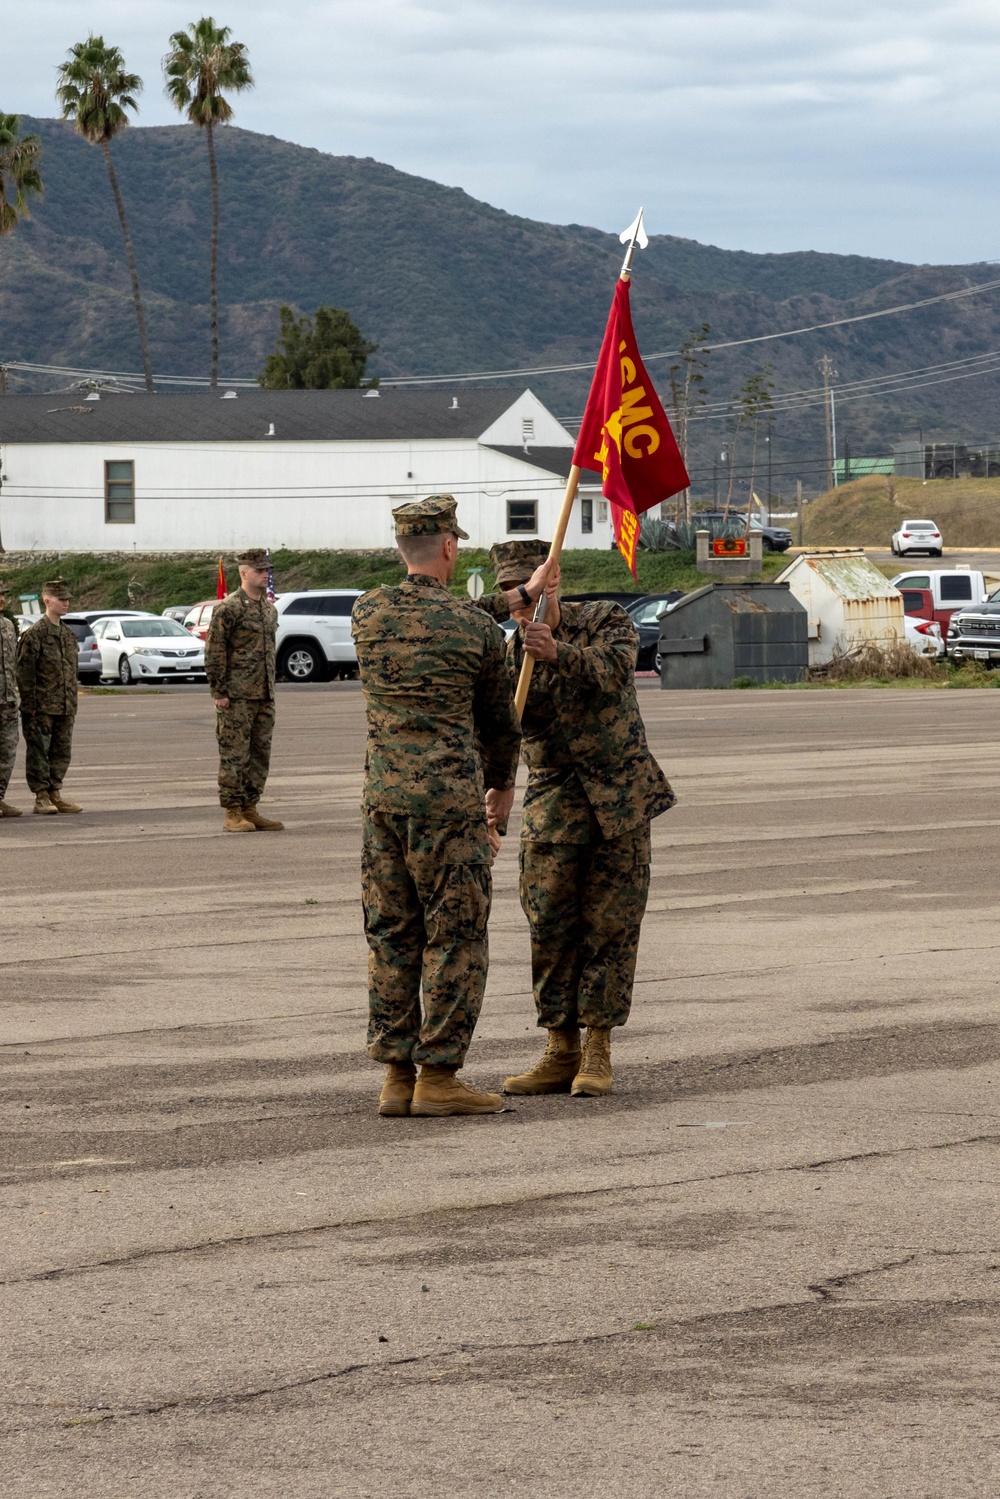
point(4, 587)
point(515, 561)
point(434, 516)
point(252, 557)
point(56, 588)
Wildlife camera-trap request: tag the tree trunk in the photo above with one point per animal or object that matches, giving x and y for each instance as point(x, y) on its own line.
point(214, 260)
point(133, 269)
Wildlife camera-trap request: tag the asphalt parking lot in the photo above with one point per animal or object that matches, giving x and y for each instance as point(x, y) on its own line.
point(769, 1264)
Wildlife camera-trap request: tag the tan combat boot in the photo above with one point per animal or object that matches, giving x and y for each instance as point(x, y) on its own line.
point(439, 1092)
point(235, 822)
point(594, 1077)
point(263, 824)
point(397, 1090)
point(44, 805)
point(6, 810)
point(61, 805)
point(555, 1069)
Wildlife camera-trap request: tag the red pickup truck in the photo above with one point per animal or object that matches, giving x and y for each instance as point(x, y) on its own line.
point(939, 592)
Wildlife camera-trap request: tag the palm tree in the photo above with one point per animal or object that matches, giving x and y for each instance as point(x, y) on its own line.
point(19, 174)
point(202, 61)
point(96, 93)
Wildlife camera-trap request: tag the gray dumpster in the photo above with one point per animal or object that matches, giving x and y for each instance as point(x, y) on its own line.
point(729, 630)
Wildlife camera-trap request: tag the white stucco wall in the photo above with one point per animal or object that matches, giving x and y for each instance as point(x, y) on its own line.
point(220, 496)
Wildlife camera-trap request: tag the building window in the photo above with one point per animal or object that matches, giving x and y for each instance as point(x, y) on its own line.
point(119, 492)
point(602, 511)
point(527, 429)
point(522, 515)
point(587, 517)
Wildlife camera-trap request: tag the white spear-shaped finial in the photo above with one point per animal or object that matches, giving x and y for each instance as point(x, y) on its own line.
point(634, 235)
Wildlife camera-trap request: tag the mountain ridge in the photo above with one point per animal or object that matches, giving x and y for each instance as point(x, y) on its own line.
point(446, 284)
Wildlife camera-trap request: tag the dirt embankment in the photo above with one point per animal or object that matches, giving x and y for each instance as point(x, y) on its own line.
point(867, 511)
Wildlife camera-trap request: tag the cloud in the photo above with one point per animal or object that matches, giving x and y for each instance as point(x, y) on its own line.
point(765, 125)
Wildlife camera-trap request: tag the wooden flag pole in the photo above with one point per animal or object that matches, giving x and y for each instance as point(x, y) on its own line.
point(528, 664)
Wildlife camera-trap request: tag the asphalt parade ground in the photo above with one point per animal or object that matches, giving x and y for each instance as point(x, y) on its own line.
point(768, 1265)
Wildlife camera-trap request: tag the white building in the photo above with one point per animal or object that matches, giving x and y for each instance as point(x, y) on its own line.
point(298, 469)
point(850, 603)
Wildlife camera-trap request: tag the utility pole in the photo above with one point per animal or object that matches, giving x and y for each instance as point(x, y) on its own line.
point(798, 506)
point(847, 461)
point(829, 373)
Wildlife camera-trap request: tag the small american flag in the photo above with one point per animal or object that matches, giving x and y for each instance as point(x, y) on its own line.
point(270, 579)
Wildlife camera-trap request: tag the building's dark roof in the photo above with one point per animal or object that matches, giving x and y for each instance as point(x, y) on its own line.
point(553, 460)
point(297, 415)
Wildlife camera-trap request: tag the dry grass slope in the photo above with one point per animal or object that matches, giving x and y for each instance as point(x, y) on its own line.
point(867, 511)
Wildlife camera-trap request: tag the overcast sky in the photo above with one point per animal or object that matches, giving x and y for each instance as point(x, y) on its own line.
point(856, 126)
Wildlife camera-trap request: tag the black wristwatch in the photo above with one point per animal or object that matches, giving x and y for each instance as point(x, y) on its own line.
point(525, 595)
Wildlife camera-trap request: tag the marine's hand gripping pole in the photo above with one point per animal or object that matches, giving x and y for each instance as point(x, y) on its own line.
point(527, 665)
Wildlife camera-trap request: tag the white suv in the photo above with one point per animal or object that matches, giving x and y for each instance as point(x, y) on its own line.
point(314, 634)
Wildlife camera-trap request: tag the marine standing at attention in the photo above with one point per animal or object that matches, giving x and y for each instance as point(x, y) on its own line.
point(8, 705)
point(441, 732)
point(593, 788)
point(239, 663)
point(47, 666)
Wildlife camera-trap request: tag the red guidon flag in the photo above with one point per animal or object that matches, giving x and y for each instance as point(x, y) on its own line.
point(625, 435)
point(220, 587)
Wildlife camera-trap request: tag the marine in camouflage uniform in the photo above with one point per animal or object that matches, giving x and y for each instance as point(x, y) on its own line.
point(239, 663)
point(48, 660)
point(8, 705)
point(593, 788)
point(441, 731)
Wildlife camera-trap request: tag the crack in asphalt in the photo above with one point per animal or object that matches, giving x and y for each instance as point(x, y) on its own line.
point(826, 1288)
point(207, 1246)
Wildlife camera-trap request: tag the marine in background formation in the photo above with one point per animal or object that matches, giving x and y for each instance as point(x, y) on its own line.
point(239, 663)
point(442, 731)
point(593, 788)
point(47, 662)
point(9, 701)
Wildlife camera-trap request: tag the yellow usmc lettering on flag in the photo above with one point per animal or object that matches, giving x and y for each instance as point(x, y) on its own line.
point(628, 536)
point(640, 439)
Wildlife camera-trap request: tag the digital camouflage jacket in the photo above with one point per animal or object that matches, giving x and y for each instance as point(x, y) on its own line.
point(438, 699)
point(48, 660)
point(590, 772)
point(239, 651)
point(8, 663)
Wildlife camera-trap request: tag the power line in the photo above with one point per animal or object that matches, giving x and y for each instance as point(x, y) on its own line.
point(242, 382)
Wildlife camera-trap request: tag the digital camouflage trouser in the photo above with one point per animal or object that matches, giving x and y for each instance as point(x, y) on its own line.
point(244, 731)
point(8, 746)
point(426, 890)
point(584, 903)
point(48, 747)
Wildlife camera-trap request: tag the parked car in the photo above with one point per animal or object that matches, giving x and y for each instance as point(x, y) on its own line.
point(923, 635)
point(917, 536)
point(625, 599)
point(81, 622)
point(938, 593)
point(645, 615)
point(974, 632)
point(314, 634)
point(178, 612)
point(153, 649)
point(199, 617)
point(773, 538)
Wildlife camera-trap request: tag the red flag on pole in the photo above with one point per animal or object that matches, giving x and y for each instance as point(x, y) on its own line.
point(221, 588)
point(625, 435)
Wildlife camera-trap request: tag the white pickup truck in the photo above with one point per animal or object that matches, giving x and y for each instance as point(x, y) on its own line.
point(938, 592)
